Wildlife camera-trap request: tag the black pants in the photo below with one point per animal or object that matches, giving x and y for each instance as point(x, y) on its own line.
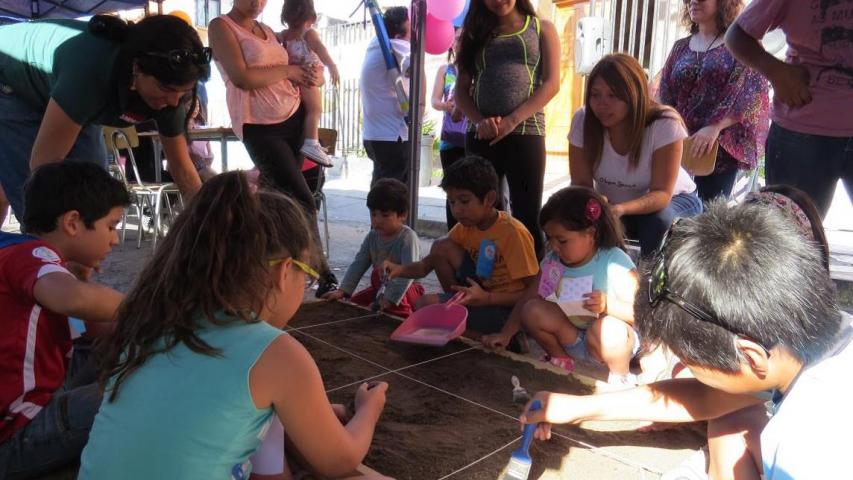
point(448, 158)
point(272, 148)
point(521, 160)
point(721, 181)
point(390, 159)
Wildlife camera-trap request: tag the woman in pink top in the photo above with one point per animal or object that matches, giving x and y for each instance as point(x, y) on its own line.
point(262, 93)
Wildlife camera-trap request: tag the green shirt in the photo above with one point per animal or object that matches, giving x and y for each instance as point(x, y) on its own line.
point(60, 59)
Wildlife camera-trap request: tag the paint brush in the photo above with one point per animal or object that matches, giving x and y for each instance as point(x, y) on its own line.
point(519, 394)
point(520, 462)
point(377, 301)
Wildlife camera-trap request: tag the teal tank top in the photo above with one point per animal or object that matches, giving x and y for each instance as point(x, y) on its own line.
point(508, 70)
point(184, 415)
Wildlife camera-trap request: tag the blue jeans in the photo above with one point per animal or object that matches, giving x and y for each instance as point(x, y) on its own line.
point(812, 163)
point(649, 228)
point(57, 434)
point(19, 125)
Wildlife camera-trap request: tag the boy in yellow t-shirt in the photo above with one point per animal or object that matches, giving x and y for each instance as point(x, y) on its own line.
point(488, 255)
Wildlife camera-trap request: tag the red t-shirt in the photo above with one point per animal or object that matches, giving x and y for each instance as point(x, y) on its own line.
point(35, 344)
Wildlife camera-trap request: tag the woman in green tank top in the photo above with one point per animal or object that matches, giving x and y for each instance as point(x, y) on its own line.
point(199, 365)
point(509, 64)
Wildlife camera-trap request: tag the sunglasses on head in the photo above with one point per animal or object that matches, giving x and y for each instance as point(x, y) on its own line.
point(311, 275)
point(184, 57)
point(658, 290)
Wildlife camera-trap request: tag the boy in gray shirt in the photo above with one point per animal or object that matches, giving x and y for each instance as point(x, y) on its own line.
point(389, 239)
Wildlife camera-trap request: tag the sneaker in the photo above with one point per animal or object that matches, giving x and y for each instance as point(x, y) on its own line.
point(694, 467)
point(566, 363)
point(316, 154)
point(328, 283)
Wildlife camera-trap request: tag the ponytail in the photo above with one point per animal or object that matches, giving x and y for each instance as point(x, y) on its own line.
point(214, 260)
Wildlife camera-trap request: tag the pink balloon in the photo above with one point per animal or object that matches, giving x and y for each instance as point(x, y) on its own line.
point(439, 35)
point(445, 9)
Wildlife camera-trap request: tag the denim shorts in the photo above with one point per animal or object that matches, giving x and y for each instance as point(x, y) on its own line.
point(19, 126)
point(579, 350)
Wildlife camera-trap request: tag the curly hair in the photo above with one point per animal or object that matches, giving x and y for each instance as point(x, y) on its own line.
point(727, 12)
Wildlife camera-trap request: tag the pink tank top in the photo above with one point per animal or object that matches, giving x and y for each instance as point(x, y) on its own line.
point(266, 105)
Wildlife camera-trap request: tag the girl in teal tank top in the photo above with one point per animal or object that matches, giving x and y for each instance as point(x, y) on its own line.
point(508, 70)
point(199, 366)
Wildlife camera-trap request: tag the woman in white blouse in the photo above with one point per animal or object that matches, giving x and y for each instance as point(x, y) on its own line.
point(628, 148)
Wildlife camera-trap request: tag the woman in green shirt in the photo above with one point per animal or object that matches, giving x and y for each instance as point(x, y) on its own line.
point(61, 80)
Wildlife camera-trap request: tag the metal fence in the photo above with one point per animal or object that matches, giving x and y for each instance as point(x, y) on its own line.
point(645, 29)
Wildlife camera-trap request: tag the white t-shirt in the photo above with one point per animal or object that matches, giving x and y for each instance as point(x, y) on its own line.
point(807, 437)
point(614, 179)
point(383, 119)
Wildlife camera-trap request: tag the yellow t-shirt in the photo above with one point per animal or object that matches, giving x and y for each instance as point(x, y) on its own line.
point(515, 257)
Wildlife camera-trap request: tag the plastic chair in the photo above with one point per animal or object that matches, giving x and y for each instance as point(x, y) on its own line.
point(144, 194)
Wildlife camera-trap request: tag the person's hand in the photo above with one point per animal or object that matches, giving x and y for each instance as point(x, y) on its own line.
point(371, 397)
point(392, 269)
point(487, 128)
point(556, 408)
point(703, 140)
point(82, 272)
point(303, 75)
point(505, 127)
point(595, 301)
point(495, 341)
point(791, 84)
point(334, 75)
point(617, 210)
point(475, 296)
point(334, 295)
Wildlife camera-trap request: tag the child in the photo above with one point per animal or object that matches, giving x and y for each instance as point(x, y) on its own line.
point(586, 249)
point(197, 369)
point(389, 239)
point(745, 302)
point(200, 153)
point(47, 398)
point(488, 255)
point(304, 47)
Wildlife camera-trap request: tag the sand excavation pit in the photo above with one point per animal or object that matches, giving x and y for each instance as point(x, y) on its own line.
point(450, 413)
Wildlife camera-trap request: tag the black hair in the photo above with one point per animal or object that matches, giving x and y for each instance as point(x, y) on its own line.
point(395, 19)
point(58, 188)
point(479, 28)
point(751, 269)
point(578, 208)
point(472, 173)
point(296, 12)
point(389, 195)
point(154, 34)
point(808, 207)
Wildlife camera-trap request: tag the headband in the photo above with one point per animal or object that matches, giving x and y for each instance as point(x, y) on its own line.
point(787, 206)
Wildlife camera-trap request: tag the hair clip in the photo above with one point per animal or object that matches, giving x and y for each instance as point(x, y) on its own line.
point(592, 210)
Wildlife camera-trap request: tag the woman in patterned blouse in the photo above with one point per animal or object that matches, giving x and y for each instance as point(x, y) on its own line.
point(719, 98)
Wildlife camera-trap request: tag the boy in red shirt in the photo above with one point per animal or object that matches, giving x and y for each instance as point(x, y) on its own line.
point(46, 405)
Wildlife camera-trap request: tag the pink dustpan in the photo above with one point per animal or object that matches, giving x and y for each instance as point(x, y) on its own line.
point(434, 325)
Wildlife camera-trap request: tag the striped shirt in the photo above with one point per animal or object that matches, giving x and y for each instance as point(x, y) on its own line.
point(35, 344)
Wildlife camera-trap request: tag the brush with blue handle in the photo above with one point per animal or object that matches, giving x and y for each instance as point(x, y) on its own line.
point(520, 462)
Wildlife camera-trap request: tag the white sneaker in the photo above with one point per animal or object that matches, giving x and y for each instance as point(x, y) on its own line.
point(317, 154)
point(694, 467)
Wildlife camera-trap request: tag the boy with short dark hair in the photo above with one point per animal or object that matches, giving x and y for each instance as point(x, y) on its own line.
point(47, 404)
point(745, 302)
point(389, 239)
point(488, 255)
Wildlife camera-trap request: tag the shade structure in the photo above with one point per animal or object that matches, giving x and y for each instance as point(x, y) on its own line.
point(32, 9)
